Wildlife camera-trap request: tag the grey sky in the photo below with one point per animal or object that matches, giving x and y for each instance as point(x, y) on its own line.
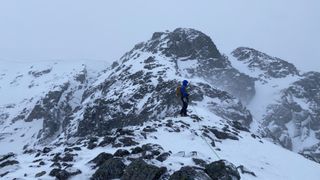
point(105, 30)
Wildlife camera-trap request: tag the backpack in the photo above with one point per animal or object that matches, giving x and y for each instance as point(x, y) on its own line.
point(178, 91)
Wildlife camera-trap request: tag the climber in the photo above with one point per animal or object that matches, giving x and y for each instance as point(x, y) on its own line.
point(184, 98)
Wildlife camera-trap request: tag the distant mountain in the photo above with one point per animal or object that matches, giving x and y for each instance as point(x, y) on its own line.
point(290, 115)
point(264, 67)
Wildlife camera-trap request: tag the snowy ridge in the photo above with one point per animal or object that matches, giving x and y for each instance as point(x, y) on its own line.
point(121, 122)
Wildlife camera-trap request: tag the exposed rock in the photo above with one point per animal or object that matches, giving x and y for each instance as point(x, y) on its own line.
point(64, 174)
point(246, 171)
point(127, 141)
point(40, 174)
point(222, 170)
point(68, 157)
point(199, 162)
point(111, 169)
point(162, 157)
point(106, 141)
point(46, 150)
point(223, 135)
point(121, 153)
point(136, 150)
point(189, 173)
point(139, 169)
point(6, 156)
point(8, 163)
point(4, 174)
point(101, 158)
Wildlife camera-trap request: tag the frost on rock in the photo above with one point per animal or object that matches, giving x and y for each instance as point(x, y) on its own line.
point(295, 119)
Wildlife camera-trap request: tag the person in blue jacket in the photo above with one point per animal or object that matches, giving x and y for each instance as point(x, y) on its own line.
point(184, 98)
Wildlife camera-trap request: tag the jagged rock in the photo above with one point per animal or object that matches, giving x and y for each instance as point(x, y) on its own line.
point(106, 141)
point(111, 169)
point(122, 132)
point(136, 150)
point(8, 163)
point(149, 129)
point(46, 150)
point(54, 171)
point(189, 173)
point(222, 170)
point(6, 156)
point(68, 157)
point(56, 164)
point(56, 157)
point(77, 148)
point(101, 158)
point(91, 145)
point(64, 174)
point(199, 162)
point(246, 171)
point(121, 153)
point(68, 149)
point(40, 174)
point(127, 141)
point(47, 110)
point(139, 169)
point(162, 157)
point(223, 135)
point(4, 174)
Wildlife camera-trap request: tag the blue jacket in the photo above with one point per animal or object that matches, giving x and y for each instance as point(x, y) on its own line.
point(183, 89)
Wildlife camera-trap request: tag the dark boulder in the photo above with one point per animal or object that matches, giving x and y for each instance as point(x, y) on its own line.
point(128, 141)
point(189, 173)
point(222, 170)
point(46, 150)
point(65, 173)
point(40, 174)
point(110, 169)
point(223, 135)
point(136, 150)
point(8, 163)
point(101, 158)
point(162, 157)
point(139, 169)
point(199, 162)
point(68, 157)
point(121, 153)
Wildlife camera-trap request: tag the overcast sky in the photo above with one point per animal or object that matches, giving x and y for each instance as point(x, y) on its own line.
point(105, 30)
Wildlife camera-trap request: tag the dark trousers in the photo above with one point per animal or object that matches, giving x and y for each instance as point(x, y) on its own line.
point(183, 111)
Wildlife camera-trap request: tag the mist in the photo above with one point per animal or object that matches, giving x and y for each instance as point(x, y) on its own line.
point(38, 30)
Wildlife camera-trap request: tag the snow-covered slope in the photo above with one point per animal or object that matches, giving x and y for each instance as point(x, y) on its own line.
point(84, 120)
point(290, 114)
point(23, 85)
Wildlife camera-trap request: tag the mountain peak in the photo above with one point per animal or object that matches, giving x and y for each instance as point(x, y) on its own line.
point(183, 42)
point(270, 67)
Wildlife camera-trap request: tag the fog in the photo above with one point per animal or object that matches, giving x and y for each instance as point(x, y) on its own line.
point(36, 30)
